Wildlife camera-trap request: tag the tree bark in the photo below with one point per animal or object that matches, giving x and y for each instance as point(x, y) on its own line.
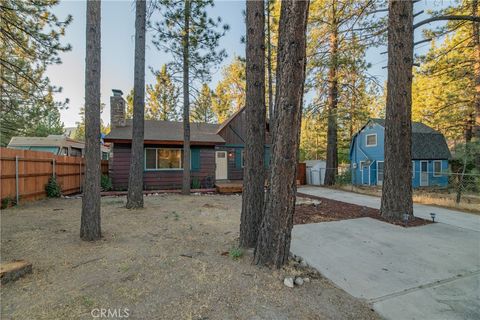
point(254, 172)
point(273, 245)
point(397, 184)
point(476, 41)
point(186, 102)
point(135, 179)
point(332, 152)
point(269, 68)
point(90, 220)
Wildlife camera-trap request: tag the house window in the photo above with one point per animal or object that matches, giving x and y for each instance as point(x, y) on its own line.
point(371, 140)
point(163, 159)
point(437, 168)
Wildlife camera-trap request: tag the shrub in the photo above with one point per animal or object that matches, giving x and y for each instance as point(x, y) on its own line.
point(106, 183)
point(344, 178)
point(52, 188)
point(7, 202)
point(196, 183)
point(235, 253)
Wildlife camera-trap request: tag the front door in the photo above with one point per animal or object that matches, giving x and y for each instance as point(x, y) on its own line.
point(379, 173)
point(221, 165)
point(423, 173)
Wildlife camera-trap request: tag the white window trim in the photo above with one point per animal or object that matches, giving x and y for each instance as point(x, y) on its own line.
point(156, 160)
point(440, 172)
point(366, 140)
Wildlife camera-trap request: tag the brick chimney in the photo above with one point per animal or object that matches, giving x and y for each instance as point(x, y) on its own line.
point(117, 109)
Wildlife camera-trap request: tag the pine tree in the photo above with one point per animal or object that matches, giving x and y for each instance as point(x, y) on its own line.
point(135, 178)
point(254, 172)
point(30, 42)
point(273, 244)
point(229, 94)
point(202, 107)
point(192, 38)
point(162, 98)
point(90, 228)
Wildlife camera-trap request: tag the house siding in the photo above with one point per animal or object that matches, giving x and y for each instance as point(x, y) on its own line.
point(361, 152)
point(161, 179)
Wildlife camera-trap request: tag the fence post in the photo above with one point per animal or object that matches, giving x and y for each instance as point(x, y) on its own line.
point(17, 197)
point(53, 168)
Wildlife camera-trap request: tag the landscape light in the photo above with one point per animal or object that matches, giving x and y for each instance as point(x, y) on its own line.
point(433, 216)
point(405, 218)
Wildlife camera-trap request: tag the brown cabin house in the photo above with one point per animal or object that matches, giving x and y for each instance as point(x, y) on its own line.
point(216, 150)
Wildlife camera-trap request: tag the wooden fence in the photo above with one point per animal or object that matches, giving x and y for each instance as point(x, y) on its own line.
point(24, 173)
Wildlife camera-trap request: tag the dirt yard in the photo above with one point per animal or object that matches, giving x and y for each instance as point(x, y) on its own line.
point(161, 262)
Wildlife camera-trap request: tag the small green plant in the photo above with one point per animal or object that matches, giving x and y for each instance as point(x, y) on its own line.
point(344, 178)
point(87, 301)
point(235, 253)
point(7, 202)
point(106, 183)
point(196, 183)
point(52, 188)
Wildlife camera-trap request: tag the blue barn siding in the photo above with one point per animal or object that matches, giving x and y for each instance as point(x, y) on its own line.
point(360, 152)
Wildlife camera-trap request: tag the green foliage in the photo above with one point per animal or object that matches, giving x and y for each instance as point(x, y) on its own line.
point(7, 202)
point(196, 183)
point(344, 178)
point(235, 253)
point(162, 98)
point(30, 40)
point(202, 108)
point(204, 34)
point(79, 133)
point(229, 94)
point(444, 84)
point(52, 188)
point(106, 183)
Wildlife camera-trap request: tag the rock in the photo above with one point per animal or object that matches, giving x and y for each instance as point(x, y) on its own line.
point(298, 281)
point(298, 259)
point(303, 264)
point(306, 280)
point(288, 282)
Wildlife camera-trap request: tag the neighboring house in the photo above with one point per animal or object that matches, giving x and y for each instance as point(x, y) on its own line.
point(56, 144)
point(430, 155)
point(216, 150)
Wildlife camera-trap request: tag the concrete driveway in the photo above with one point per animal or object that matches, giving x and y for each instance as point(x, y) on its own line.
point(427, 272)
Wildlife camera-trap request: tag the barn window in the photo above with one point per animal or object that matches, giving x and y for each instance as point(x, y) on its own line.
point(437, 168)
point(371, 140)
point(163, 159)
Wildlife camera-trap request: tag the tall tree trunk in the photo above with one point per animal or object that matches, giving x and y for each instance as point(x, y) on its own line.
point(90, 220)
point(397, 184)
point(332, 152)
point(135, 179)
point(269, 67)
point(254, 172)
point(186, 102)
point(476, 41)
point(273, 245)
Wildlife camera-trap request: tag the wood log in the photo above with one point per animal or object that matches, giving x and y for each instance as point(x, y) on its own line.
point(11, 271)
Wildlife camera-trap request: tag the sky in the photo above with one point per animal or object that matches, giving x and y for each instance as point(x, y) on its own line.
point(118, 31)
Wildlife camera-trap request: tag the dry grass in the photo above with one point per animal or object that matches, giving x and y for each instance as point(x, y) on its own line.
point(441, 198)
point(166, 261)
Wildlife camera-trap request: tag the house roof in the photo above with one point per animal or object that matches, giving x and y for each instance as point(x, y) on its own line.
point(427, 143)
point(156, 130)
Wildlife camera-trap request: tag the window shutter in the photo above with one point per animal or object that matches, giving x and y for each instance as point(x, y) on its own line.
point(195, 156)
point(238, 158)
